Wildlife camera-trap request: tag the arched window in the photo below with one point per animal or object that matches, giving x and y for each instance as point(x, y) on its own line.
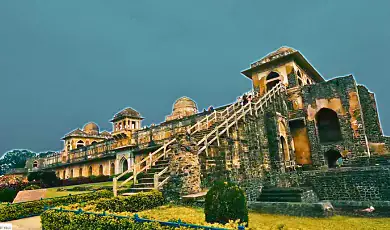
point(63, 175)
point(328, 126)
point(100, 170)
point(90, 171)
point(300, 82)
point(79, 144)
point(93, 142)
point(71, 173)
point(80, 172)
point(112, 169)
point(125, 165)
point(285, 151)
point(68, 147)
point(332, 156)
point(299, 73)
point(307, 81)
point(35, 164)
point(272, 80)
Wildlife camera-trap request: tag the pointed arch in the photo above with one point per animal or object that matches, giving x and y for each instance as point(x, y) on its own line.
point(79, 144)
point(90, 171)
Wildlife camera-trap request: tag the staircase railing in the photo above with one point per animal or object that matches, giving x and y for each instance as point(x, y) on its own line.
point(216, 115)
point(152, 158)
point(157, 176)
point(238, 115)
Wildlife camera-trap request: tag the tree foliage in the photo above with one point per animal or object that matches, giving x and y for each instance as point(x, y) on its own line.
point(15, 159)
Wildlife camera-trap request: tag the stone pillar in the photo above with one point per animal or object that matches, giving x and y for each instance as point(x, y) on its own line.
point(184, 170)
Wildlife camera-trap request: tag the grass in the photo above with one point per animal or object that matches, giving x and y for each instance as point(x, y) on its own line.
point(52, 192)
point(268, 221)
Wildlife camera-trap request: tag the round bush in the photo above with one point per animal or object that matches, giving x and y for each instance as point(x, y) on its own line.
point(225, 201)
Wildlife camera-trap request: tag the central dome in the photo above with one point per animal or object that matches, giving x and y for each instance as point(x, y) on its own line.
point(91, 128)
point(184, 103)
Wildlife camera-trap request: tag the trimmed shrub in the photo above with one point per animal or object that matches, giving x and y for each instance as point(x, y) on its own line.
point(31, 208)
point(46, 178)
point(84, 180)
point(133, 203)
point(53, 220)
point(32, 187)
point(8, 194)
point(225, 201)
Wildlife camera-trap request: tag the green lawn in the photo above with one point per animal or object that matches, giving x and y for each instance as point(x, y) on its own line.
point(52, 192)
point(268, 221)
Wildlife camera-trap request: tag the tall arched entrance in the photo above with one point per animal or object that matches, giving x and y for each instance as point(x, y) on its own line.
point(331, 157)
point(125, 165)
point(328, 126)
point(112, 169)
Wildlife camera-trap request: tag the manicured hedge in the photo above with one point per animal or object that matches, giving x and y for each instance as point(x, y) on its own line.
point(25, 209)
point(84, 180)
point(54, 220)
point(133, 203)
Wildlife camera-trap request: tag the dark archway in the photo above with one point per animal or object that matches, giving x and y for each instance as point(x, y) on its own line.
point(35, 164)
point(100, 170)
point(71, 173)
point(328, 126)
point(272, 80)
point(331, 157)
point(112, 169)
point(125, 165)
point(79, 144)
point(93, 142)
point(90, 171)
point(285, 152)
point(80, 172)
point(63, 175)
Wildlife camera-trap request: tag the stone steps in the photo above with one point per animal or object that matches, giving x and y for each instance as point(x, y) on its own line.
point(276, 194)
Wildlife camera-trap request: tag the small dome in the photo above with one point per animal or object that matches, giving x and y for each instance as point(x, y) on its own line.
point(91, 128)
point(184, 103)
point(128, 112)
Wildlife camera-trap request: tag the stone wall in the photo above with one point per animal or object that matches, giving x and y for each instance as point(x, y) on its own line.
point(355, 183)
point(370, 114)
point(339, 95)
point(184, 170)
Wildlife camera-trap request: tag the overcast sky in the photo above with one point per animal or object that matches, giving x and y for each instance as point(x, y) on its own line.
point(65, 63)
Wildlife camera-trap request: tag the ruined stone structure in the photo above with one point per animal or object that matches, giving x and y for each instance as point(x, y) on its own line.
point(295, 121)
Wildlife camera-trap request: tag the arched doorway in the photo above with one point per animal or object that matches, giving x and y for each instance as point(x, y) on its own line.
point(80, 172)
point(79, 144)
point(63, 175)
point(35, 164)
point(71, 173)
point(285, 151)
point(272, 80)
point(100, 170)
point(112, 169)
point(328, 126)
point(90, 171)
point(331, 157)
point(125, 165)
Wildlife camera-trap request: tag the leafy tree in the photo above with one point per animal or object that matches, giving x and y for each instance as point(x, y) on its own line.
point(15, 159)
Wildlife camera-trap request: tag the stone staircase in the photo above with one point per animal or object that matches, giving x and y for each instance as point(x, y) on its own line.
point(205, 132)
point(293, 194)
point(145, 181)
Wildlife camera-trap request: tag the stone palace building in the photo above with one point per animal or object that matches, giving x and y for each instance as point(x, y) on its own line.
point(296, 120)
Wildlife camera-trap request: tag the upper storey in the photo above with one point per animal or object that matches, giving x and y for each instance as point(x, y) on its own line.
point(285, 65)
